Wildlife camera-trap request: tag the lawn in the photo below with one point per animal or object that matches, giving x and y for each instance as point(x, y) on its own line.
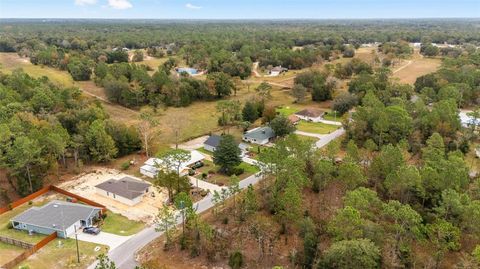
point(17, 234)
point(62, 253)
point(309, 139)
point(316, 127)
point(118, 224)
point(204, 151)
point(332, 117)
point(8, 252)
point(221, 179)
point(287, 110)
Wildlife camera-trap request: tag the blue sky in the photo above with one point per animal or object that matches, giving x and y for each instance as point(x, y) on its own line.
point(239, 9)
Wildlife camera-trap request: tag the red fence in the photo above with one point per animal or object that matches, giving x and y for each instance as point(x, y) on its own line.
point(25, 199)
point(45, 190)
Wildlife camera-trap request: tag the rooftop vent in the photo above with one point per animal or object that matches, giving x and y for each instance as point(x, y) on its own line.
point(55, 205)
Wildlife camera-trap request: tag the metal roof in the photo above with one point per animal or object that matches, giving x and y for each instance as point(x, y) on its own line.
point(56, 215)
point(126, 187)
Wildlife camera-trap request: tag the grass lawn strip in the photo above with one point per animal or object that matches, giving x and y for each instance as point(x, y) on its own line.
point(316, 127)
point(120, 225)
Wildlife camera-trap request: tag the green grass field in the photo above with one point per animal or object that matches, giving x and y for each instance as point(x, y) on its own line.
point(222, 179)
point(316, 127)
point(118, 224)
point(5, 230)
point(287, 110)
point(62, 253)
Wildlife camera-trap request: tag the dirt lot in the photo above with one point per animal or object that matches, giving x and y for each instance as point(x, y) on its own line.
point(144, 211)
point(408, 71)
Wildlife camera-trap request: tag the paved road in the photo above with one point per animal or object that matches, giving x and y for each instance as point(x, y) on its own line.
point(329, 137)
point(124, 255)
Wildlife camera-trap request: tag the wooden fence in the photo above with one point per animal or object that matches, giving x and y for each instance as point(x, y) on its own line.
point(33, 248)
point(16, 242)
point(25, 199)
point(46, 189)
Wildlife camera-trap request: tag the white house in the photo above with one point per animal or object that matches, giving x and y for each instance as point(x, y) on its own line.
point(260, 135)
point(152, 165)
point(276, 71)
point(310, 114)
point(126, 190)
point(212, 143)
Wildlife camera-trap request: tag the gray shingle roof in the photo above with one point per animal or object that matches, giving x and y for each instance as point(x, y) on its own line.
point(213, 140)
point(56, 215)
point(260, 133)
point(126, 187)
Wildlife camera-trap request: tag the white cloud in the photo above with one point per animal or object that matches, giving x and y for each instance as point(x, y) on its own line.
point(119, 4)
point(190, 6)
point(85, 2)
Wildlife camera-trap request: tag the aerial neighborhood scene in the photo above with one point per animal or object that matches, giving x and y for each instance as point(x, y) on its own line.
point(209, 134)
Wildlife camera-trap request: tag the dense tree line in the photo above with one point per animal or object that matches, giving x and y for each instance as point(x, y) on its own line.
point(41, 125)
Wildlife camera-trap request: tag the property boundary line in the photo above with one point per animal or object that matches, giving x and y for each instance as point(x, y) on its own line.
point(28, 252)
point(46, 189)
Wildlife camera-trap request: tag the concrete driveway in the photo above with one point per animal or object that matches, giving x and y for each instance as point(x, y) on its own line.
point(103, 238)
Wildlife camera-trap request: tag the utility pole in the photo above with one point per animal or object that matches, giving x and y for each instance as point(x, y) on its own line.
point(76, 241)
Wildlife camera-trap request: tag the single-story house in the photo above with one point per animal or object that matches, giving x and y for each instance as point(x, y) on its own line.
point(294, 119)
point(126, 190)
point(153, 165)
point(310, 114)
point(277, 70)
point(260, 135)
point(57, 216)
point(212, 143)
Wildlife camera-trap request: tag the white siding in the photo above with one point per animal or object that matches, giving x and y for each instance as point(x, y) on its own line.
point(209, 148)
point(317, 119)
point(147, 173)
point(123, 200)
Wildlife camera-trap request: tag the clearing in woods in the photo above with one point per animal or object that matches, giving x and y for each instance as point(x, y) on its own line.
point(415, 67)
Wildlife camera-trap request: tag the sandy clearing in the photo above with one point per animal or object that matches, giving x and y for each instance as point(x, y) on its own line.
point(144, 211)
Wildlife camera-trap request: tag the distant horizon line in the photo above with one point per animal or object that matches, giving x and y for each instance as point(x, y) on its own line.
point(255, 19)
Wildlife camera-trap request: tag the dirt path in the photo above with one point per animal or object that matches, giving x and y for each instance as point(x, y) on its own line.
point(409, 62)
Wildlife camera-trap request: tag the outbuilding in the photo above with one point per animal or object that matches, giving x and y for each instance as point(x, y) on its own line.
point(126, 190)
point(57, 216)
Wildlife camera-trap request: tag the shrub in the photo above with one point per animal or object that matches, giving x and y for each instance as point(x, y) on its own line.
point(125, 165)
point(236, 260)
point(225, 220)
point(9, 225)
